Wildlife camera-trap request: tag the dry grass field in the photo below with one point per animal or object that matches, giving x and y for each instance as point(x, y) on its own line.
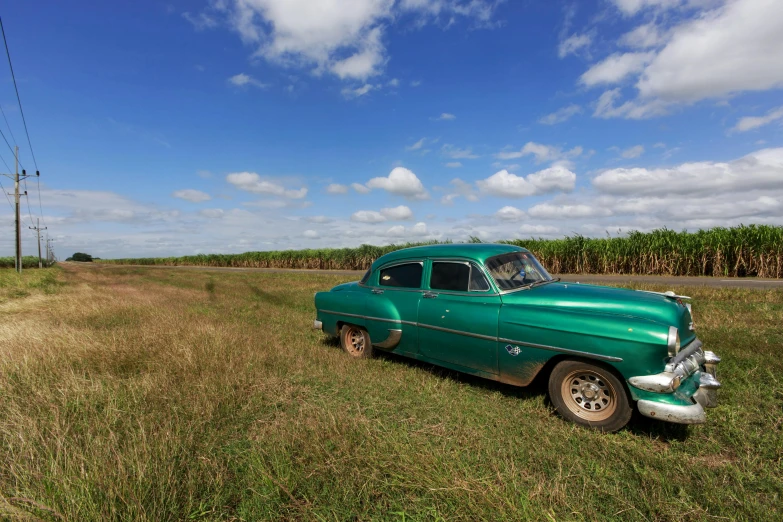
point(153, 394)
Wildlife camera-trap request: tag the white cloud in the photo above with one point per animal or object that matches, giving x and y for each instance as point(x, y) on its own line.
point(459, 188)
point(368, 216)
point(561, 115)
point(212, 213)
point(310, 234)
point(753, 122)
point(632, 7)
point(633, 109)
point(736, 47)
point(542, 153)
point(368, 61)
point(400, 213)
point(445, 117)
point(615, 68)
point(415, 83)
point(550, 211)
point(573, 44)
point(416, 146)
point(450, 151)
point(510, 214)
point(394, 82)
point(192, 195)
point(343, 37)
point(402, 182)
point(252, 182)
point(336, 188)
point(200, 21)
point(538, 229)
point(361, 189)
point(350, 94)
point(417, 230)
point(242, 80)
point(760, 170)
point(453, 164)
point(642, 37)
point(632, 152)
point(319, 219)
point(505, 184)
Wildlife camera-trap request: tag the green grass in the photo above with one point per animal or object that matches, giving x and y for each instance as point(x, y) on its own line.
point(27, 262)
point(14, 285)
point(755, 250)
point(145, 394)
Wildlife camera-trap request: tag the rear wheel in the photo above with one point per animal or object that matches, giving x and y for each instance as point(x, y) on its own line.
point(356, 341)
point(590, 395)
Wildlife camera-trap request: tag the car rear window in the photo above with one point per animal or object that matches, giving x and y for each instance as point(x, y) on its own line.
point(407, 275)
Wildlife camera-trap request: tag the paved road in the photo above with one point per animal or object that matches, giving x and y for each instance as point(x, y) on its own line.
point(743, 282)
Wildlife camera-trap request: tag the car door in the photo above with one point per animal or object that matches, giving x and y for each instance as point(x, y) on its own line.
point(458, 316)
point(392, 305)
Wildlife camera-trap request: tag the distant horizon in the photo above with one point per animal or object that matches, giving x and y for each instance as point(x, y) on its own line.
point(229, 127)
point(406, 244)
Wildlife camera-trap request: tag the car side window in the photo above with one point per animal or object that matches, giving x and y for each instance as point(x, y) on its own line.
point(450, 276)
point(407, 275)
point(478, 283)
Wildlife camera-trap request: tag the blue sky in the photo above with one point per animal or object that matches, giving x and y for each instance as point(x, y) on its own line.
point(233, 125)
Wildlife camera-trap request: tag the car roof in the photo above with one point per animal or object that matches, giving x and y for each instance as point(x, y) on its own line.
point(477, 251)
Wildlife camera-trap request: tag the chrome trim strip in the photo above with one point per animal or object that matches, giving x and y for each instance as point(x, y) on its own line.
point(458, 332)
point(485, 337)
point(392, 341)
point(564, 350)
point(381, 319)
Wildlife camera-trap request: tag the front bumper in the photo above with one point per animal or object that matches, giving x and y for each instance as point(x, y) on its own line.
point(681, 392)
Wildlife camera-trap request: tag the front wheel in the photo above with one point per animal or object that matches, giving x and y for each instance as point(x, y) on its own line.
point(589, 395)
point(356, 341)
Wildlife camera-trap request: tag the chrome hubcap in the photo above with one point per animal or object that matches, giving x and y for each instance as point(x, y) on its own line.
point(589, 395)
point(354, 341)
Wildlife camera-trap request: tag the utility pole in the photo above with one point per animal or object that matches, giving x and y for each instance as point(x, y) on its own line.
point(17, 178)
point(38, 233)
point(49, 250)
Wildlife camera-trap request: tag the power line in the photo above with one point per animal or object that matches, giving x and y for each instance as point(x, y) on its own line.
point(8, 124)
point(9, 148)
point(21, 111)
point(27, 133)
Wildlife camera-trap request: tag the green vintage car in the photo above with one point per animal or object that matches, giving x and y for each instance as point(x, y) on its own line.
point(494, 311)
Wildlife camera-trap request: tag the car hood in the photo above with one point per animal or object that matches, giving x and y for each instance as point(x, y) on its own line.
point(605, 299)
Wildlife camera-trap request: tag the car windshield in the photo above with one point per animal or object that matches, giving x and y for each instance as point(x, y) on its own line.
point(516, 270)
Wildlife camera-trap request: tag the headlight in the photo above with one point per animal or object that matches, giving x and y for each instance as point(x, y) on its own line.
point(673, 341)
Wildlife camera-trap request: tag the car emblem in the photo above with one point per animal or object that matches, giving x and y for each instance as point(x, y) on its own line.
point(513, 350)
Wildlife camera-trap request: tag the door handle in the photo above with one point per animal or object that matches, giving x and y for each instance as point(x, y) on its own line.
point(377, 291)
point(429, 295)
